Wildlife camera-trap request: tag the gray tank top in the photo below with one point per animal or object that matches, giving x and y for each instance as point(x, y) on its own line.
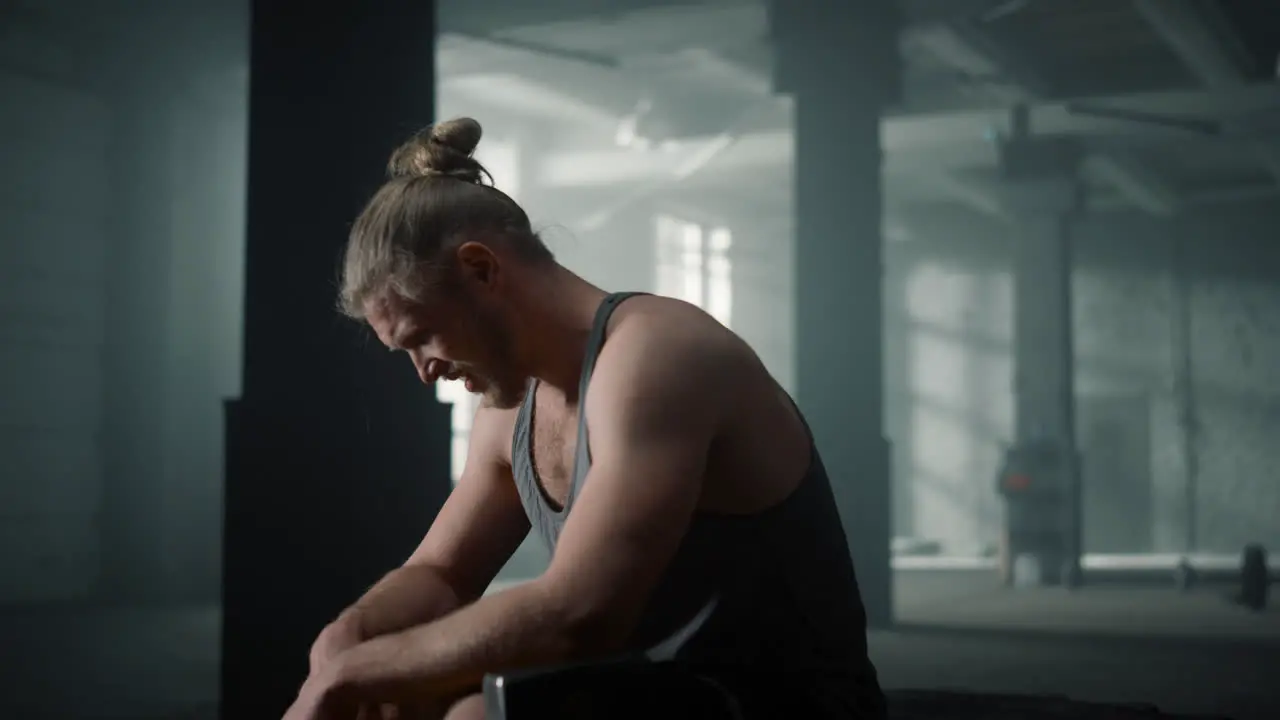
point(774, 591)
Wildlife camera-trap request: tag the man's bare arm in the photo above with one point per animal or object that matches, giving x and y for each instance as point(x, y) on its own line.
point(477, 530)
point(654, 406)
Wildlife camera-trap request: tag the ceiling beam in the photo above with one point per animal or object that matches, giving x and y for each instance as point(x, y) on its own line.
point(912, 143)
point(702, 38)
point(483, 17)
point(1006, 64)
point(978, 196)
point(464, 61)
point(919, 216)
point(751, 153)
point(1208, 51)
point(1133, 180)
point(958, 43)
point(927, 12)
point(708, 68)
point(604, 62)
point(968, 68)
point(1201, 37)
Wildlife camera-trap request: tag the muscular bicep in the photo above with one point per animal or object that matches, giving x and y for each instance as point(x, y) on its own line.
point(482, 522)
point(653, 411)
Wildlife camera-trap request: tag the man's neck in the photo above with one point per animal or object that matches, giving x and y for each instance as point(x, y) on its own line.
point(558, 310)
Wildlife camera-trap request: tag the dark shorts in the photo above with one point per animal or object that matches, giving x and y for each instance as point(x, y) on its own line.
point(676, 691)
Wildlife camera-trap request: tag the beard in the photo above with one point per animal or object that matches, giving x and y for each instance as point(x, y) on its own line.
point(494, 387)
point(502, 395)
point(496, 380)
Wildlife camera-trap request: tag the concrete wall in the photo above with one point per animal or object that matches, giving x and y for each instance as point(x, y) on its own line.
point(121, 213)
point(53, 265)
point(203, 319)
point(949, 294)
point(174, 351)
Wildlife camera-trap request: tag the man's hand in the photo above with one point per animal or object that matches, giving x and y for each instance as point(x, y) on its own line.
point(476, 532)
point(336, 638)
point(319, 698)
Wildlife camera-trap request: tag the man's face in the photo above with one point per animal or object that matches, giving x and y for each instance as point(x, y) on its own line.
point(456, 334)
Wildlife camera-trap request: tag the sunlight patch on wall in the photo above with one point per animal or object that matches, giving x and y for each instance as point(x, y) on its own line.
point(938, 368)
point(947, 482)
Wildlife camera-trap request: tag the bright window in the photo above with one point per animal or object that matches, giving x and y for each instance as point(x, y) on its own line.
point(694, 265)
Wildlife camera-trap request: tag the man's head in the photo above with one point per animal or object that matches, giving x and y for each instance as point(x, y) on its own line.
point(429, 262)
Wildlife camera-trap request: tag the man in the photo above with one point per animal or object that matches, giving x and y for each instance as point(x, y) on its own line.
point(672, 477)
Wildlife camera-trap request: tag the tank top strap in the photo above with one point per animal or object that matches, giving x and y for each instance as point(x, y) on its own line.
point(595, 341)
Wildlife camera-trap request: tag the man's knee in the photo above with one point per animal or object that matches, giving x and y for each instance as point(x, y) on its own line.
point(470, 707)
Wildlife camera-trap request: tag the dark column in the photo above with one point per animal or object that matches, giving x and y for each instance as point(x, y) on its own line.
point(1042, 194)
point(839, 61)
point(337, 459)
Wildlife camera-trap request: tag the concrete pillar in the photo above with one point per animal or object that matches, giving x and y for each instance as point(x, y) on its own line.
point(840, 63)
point(1044, 400)
point(1043, 195)
point(337, 458)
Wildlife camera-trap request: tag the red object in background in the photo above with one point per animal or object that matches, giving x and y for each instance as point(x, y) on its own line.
point(1017, 482)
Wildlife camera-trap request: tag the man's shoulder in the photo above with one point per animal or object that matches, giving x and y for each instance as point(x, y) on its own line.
point(656, 321)
point(661, 346)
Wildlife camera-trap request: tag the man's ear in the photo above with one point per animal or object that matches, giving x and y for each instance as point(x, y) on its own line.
point(478, 263)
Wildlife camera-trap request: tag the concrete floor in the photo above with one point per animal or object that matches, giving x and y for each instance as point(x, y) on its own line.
point(1186, 653)
point(1191, 653)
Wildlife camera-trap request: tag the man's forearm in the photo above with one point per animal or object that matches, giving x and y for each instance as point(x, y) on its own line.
point(407, 596)
point(521, 627)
